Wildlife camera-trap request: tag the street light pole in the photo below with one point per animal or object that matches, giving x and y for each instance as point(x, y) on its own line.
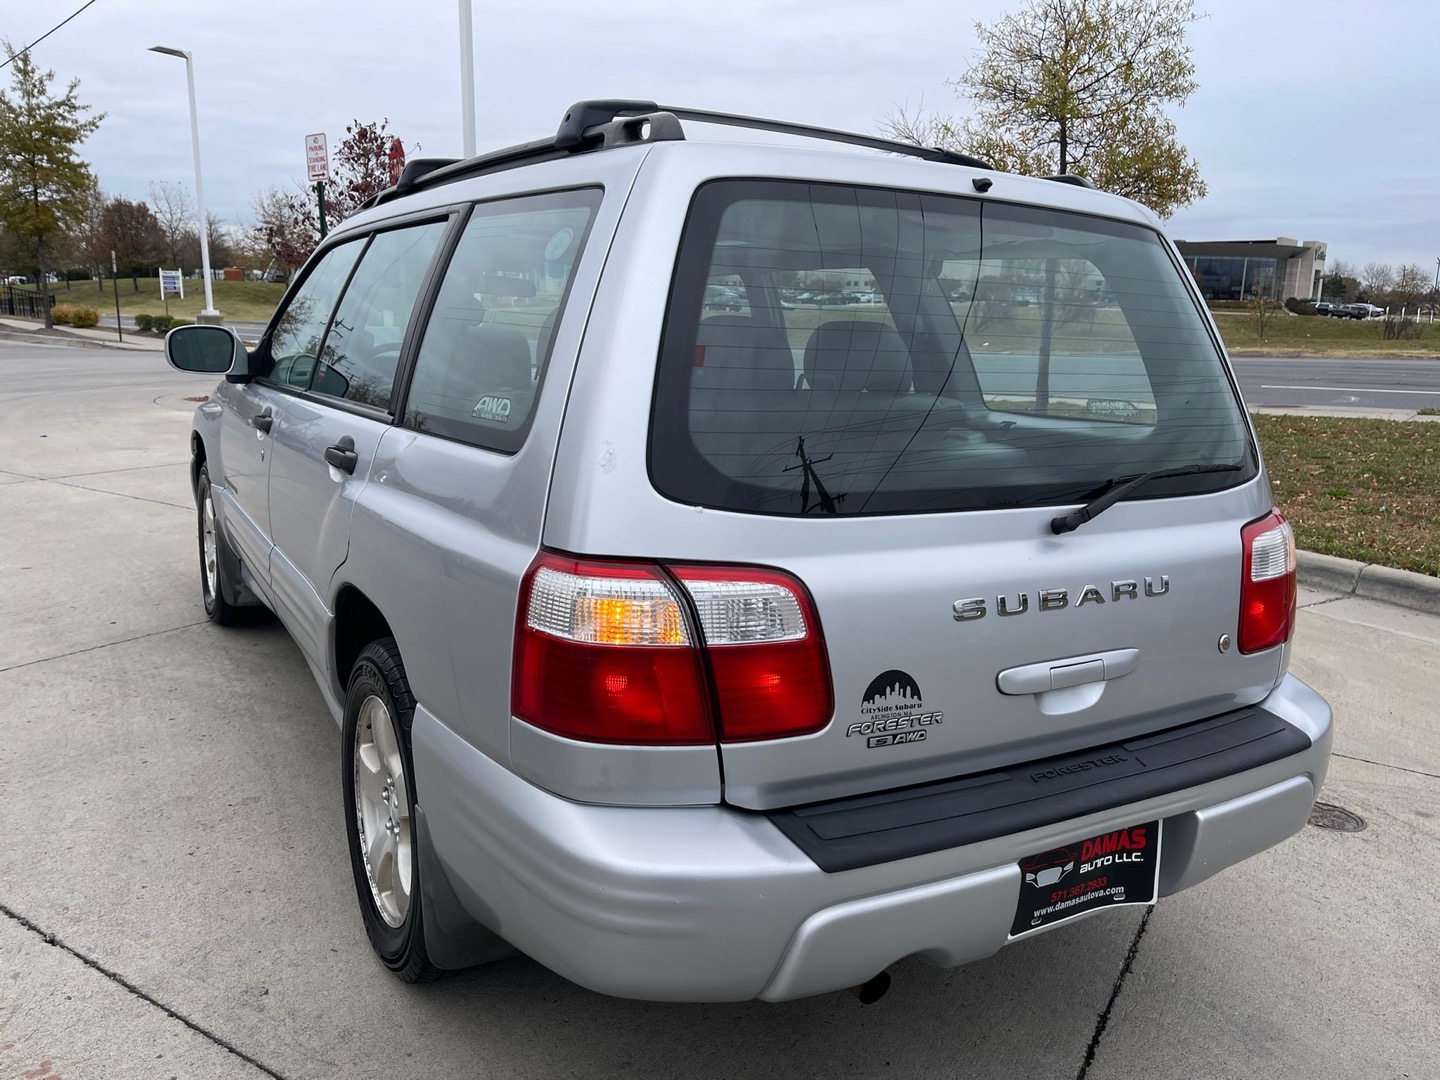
point(203, 225)
point(467, 81)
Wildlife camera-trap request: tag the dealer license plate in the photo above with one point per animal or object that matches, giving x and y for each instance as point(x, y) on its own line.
point(1110, 870)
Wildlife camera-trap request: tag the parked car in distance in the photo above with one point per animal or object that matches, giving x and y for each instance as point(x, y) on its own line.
point(711, 657)
point(722, 297)
point(1323, 307)
point(1358, 311)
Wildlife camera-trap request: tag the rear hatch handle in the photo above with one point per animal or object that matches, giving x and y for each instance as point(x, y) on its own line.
point(1071, 671)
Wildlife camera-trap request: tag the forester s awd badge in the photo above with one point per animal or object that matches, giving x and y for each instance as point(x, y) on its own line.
point(894, 712)
point(1006, 605)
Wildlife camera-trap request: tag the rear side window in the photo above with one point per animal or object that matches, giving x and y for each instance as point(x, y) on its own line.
point(841, 350)
point(489, 337)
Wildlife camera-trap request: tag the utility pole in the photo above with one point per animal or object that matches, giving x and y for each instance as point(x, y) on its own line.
point(467, 81)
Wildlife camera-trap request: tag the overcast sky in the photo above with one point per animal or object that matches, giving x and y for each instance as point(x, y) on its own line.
point(1313, 120)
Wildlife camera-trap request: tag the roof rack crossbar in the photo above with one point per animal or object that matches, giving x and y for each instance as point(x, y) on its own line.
point(603, 123)
point(587, 125)
point(809, 131)
point(1071, 179)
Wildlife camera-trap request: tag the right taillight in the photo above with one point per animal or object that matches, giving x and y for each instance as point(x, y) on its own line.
point(610, 651)
point(762, 637)
point(1267, 587)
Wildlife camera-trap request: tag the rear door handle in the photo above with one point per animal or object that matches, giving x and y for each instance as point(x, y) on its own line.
point(342, 455)
point(263, 422)
point(1070, 671)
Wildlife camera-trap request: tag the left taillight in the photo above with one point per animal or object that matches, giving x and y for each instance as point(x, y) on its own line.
point(1267, 585)
point(609, 651)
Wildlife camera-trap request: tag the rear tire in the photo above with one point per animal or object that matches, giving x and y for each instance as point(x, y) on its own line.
point(377, 776)
point(214, 550)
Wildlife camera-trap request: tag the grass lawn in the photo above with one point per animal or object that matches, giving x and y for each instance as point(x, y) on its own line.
point(1360, 489)
point(245, 301)
point(1315, 335)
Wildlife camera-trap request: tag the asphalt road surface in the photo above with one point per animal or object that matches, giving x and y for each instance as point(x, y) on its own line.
point(250, 331)
point(1347, 384)
point(176, 900)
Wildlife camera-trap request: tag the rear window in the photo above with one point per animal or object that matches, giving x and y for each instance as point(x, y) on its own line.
point(841, 350)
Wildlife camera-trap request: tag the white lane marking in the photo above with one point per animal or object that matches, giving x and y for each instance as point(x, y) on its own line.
point(1350, 389)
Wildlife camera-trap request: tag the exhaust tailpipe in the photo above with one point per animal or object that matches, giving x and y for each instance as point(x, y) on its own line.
point(870, 992)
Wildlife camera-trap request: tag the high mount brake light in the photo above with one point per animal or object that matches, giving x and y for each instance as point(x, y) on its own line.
point(609, 651)
point(1267, 585)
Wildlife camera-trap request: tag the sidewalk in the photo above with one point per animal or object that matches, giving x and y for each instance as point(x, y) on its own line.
point(1342, 413)
point(33, 330)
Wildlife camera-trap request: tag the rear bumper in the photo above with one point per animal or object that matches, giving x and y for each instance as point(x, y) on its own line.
point(716, 904)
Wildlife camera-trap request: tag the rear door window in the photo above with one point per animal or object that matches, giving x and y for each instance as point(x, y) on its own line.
point(841, 350)
point(485, 349)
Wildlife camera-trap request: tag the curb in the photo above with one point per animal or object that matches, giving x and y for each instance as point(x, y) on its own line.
point(1348, 577)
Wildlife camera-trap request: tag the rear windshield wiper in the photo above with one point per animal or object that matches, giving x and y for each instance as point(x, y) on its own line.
point(1122, 487)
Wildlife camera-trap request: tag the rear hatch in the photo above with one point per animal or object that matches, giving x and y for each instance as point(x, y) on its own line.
point(897, 397)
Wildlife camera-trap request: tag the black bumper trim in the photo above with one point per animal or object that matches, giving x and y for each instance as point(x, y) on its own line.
point(845, 834)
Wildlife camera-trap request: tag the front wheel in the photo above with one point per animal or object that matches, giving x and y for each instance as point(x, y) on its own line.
point(213, 552)
point(378, 781)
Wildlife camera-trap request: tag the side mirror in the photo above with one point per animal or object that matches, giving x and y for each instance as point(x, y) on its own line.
point(210, 350)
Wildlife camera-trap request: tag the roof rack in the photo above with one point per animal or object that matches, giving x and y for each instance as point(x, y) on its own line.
point(606, 123)
point(809, 131)
point(1071, 179)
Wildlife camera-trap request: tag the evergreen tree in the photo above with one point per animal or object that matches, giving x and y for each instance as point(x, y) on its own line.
point(44, 184)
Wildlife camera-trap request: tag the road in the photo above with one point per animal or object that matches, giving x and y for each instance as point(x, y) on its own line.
point(250, 331)
point(1347, 384)
point(176, 900)
point(1278, 381)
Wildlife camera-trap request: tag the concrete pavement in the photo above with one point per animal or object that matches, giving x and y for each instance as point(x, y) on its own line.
point(169, 798)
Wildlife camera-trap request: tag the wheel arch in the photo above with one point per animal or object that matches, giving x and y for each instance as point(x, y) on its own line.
point(198, 458)
point(357, 621)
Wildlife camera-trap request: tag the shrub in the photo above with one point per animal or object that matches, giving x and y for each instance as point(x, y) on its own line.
point(84, 317)
point(60, 314)
point(145, 322)
point(161, 323)
point(177, 321)
point(1296, 306)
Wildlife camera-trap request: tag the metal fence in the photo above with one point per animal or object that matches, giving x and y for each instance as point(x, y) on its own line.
point(22, 303)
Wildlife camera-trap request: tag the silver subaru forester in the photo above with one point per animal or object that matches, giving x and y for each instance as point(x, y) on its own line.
point(738, 567)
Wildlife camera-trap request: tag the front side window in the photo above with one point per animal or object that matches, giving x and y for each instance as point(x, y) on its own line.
point(295, 341)
point(362, 349)
point(485, 348)
point(838, 350)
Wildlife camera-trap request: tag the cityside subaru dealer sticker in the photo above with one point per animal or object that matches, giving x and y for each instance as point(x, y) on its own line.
point(1110, 870)
point(893, 712)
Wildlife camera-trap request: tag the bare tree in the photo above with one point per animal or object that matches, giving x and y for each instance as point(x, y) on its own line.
point(175, 211)
point(1376, 281)
point(1262, 307)
point(1411, 284)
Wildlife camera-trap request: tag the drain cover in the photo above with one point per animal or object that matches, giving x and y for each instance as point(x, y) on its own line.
point(1330, 816)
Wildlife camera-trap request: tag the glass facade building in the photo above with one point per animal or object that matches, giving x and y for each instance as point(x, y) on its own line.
point(1231, 277)
point(1242, 269)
